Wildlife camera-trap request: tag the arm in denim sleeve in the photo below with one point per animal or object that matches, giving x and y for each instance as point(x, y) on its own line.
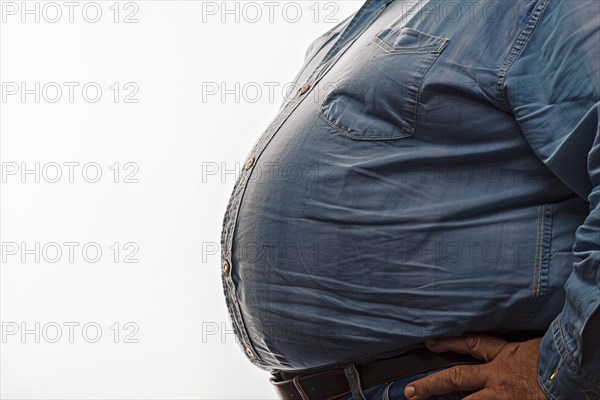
point(551, 82)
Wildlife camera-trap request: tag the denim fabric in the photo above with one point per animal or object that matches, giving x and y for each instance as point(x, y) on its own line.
point(438, 173)
point(395, 390)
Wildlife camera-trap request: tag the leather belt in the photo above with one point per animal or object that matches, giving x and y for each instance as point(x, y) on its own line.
point(331, 384)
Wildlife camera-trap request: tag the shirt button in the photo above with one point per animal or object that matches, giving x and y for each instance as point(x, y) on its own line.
point(249, 352)
point(226, 266)
point(249, 164)
point(304, 89)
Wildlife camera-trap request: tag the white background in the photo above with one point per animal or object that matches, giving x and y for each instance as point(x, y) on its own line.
point(177, 149)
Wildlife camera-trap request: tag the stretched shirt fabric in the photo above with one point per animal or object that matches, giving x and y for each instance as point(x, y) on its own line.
point(437, 173)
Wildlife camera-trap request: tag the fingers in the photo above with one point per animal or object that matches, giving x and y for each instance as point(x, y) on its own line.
point(484, 347)
point(485, 394)
point(462, 377)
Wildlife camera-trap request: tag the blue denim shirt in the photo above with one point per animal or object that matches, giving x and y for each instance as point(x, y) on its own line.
point(437, 172)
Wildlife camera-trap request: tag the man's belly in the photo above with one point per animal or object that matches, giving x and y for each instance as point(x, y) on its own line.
point(344, 248)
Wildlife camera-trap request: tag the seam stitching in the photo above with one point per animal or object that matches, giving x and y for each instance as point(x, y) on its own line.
point(516, 50)
point(563, 347)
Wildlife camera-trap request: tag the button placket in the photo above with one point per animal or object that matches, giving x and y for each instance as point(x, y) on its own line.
point(249, 164)
point(226, 266)
point(304, 89)
point(233, 208)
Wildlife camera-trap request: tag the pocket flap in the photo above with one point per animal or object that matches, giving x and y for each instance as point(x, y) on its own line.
point(407, 40)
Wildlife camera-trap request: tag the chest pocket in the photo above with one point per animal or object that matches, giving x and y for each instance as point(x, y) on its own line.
point(376, 96)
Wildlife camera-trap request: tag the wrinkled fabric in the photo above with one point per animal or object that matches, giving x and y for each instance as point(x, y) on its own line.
point(439, 173)
point(395, 390)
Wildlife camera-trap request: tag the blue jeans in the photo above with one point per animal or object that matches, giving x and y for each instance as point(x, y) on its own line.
point(395, 390)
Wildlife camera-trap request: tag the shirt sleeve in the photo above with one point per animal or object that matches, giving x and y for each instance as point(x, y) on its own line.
point(550, 81)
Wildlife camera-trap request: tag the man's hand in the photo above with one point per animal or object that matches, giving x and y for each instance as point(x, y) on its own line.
point(510, 371)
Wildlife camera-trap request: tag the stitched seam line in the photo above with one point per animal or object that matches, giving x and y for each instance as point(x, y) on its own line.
point(527, 310)
point(517, 48)
point(418, 99)
point(547, 390)
point(562, 347)
point(537, 250)
point(540, 255)
point(546, 248)
point(432, 48)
